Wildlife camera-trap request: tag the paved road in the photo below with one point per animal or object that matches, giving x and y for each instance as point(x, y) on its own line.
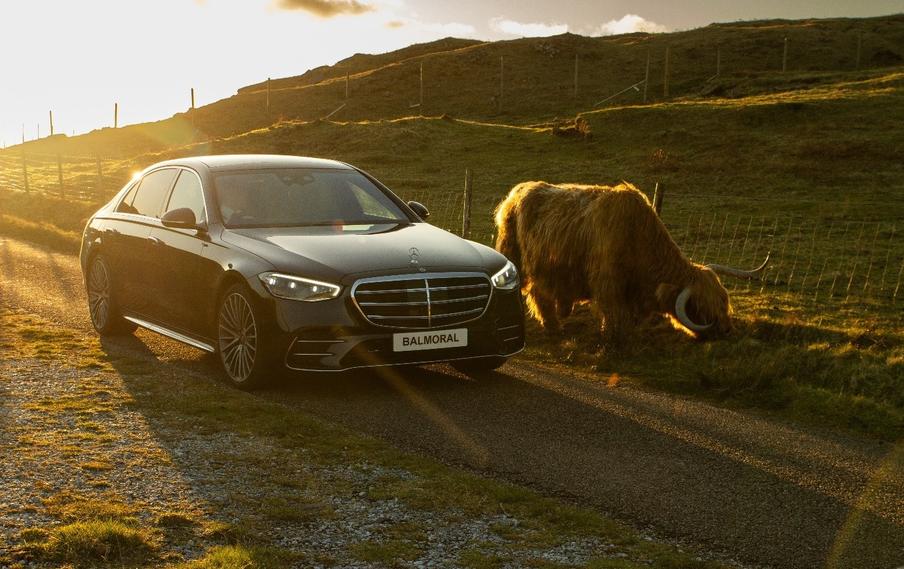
point(759, 491)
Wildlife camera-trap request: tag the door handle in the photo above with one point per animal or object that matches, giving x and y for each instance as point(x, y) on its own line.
point(156, 241)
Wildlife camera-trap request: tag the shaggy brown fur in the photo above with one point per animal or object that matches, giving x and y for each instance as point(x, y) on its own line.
point(606, 245)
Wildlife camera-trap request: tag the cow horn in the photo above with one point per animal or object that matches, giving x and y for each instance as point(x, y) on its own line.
point(752, 275)
point(681, 313)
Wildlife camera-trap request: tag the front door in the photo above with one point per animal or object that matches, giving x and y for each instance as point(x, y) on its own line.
point(179, 294)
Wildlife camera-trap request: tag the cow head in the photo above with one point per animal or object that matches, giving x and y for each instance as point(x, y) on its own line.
point(701, 305)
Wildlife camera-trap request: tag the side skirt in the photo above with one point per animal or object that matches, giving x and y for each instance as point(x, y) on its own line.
point(170, 334)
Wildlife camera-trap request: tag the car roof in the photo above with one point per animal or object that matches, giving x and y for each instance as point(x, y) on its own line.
point(226, 162)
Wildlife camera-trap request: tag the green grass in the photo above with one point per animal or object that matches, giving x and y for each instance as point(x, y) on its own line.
point(844, 372)
point(242, 557)
point(389, 553)
point(86, 543)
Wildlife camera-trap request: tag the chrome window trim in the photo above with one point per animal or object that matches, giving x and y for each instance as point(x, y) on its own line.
point(200, 185)
point(139, 181)
point(169, 193)
point(425, 277)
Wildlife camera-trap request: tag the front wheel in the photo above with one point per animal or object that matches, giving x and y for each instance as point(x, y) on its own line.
point(240, 345)
point(479, 366)
point(102, 306)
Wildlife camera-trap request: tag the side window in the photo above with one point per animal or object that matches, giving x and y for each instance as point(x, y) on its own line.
point(187, 193)
point(125, 206)
point(152, 191)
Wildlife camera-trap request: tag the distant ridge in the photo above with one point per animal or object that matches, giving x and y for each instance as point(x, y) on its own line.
point(462, 79)
point(363, 62)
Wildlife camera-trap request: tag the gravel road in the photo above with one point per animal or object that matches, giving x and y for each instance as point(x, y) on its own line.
point(759, 491)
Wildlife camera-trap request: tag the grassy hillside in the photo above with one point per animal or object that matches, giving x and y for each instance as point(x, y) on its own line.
point(462, 79)
point(825, 152)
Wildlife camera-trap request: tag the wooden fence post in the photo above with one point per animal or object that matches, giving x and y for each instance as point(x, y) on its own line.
point(100, 179)
point(785, 56)
point(466, 206)
point(268, 96)
point(646, 77)
point(665, 76)
point(51, 123)
point(658, 192)
point(501, 80)
point(576, 76)
point(25, 170)
point(60, 175)
point(192, 98)
point(115, 115)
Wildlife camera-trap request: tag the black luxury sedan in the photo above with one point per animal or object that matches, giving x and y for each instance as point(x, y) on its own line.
point(287, 262)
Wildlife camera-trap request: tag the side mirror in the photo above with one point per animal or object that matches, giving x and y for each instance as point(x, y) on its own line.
point(420, 209)
point(182, 218)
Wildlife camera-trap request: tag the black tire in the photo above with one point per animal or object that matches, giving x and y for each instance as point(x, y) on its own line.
point(103, 308)
point(479, 366)
point(242, 350)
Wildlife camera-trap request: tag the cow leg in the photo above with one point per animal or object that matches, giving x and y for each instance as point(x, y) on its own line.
point(564, 306)
point(611, 302)
point(543, 308)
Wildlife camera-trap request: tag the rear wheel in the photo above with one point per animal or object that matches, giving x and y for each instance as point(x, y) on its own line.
point(478, 366)
point(240, 345)
point(102, 306)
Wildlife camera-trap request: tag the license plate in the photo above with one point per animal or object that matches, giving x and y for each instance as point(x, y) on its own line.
point(436, 340)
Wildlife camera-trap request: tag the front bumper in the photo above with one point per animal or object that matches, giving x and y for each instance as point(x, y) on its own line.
point(332, 336)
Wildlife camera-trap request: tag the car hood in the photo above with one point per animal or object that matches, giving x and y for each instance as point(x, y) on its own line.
point(336, 253)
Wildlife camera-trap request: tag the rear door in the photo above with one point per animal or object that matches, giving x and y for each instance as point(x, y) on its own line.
point(134, 222)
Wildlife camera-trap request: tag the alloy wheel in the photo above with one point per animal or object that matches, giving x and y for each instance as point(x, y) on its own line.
point(237, 337)
point(99, 294)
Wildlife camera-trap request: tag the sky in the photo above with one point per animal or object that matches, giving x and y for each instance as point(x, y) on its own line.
point(77, 58)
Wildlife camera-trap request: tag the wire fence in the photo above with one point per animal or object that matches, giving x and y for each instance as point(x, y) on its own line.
point(848, 260)
point(91, 179)
point(816, 261)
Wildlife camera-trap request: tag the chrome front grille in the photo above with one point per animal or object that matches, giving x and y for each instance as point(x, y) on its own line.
point(423, 301)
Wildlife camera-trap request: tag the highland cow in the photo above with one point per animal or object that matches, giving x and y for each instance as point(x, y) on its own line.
point(606, 245)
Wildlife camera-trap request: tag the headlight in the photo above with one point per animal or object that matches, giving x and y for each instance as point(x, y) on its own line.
point(297, 288)
point(507, 278)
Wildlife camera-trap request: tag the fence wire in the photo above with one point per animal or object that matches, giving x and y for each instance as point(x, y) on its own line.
point(846, 260)
point(851, 260)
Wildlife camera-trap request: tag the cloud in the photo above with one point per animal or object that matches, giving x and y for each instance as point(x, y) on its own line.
point(432, 29)
point(629, 23)
point(522, 29)
point(454, 29)
point(325, 8)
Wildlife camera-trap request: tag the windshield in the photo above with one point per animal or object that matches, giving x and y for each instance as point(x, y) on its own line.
point(293, 197)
